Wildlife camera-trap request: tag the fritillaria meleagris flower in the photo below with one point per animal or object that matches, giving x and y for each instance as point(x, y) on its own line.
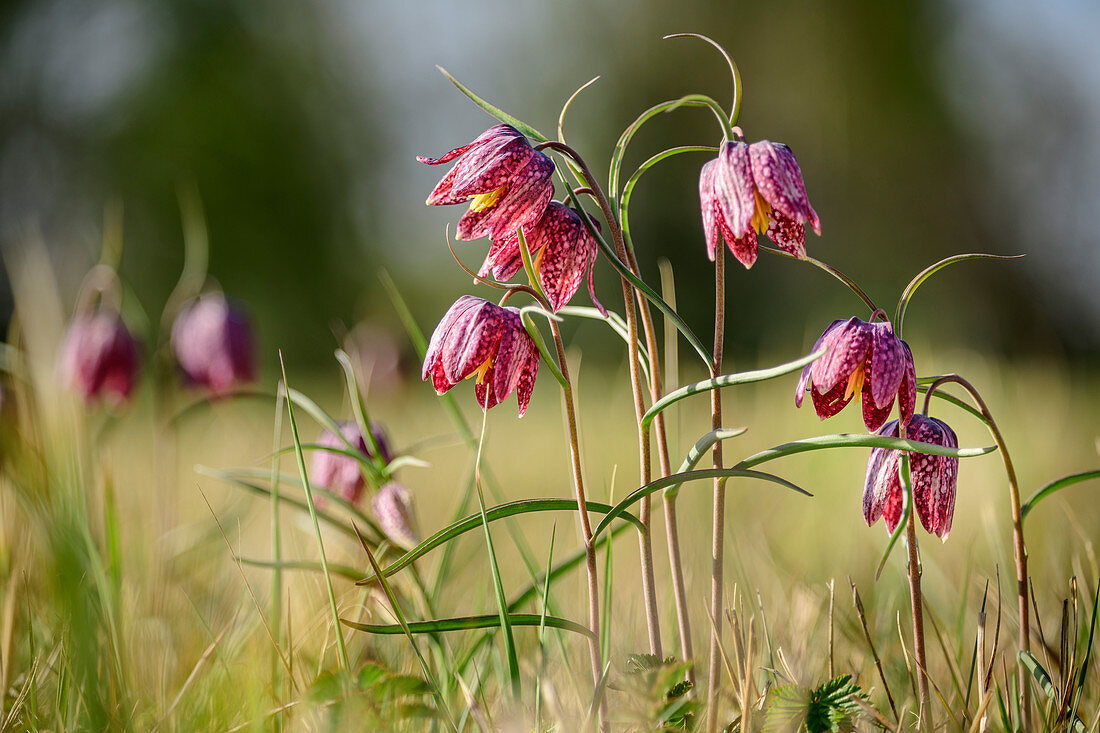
point(564, 251)
point(99, 358)
point(212, 343)
point(506, 182)
point(481, 340)
point(392, 506)
point(861, 358)
point(751, 189)
point(933, 478)
point(339, 473)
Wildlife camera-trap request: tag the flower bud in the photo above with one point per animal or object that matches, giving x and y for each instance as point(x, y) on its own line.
point(393, 507)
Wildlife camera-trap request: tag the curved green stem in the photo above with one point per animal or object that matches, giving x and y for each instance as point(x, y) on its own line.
point(699, 450)
point(911, 288)
point(735, 73)
point(628, 189)
point(617, 154)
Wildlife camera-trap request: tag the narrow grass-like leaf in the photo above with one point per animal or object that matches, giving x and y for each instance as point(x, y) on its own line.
point(699, 450)
point(568, 103)
point(727, 380)
point(682, 478)
point(234, 479)
point(463, 623)
point(619, 151)
point(359, 408)
point(1054, 486)
point(911, 288)
point(495, 111)
point(511, 509)
point(340, 647)
point(628, 189)
point(276, 548)
point(860, 440)
point(1039, 674)
point(345, 571)
point(404, 627)
point(545, 610)
point(540, 344)
point(498, 587)
point(1084, 669)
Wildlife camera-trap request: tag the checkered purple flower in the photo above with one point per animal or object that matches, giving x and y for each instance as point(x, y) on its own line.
point(864, 359)
point(392, 506)
point(481, 340)
point(341, 474)
point(934, 478)
point(755, 189)
point(564, 253)
point(212, 343)
point(506, 182)
point(99, 358)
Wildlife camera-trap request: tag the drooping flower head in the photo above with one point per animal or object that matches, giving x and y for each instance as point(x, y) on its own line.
point(212, 343)
point(563, 249)
point(864, 359)
point(487, 342)
point(755, 189)
point(99, 358)
point(506, 182)
point(392, 506)
point(933, 478)
point(339, 473)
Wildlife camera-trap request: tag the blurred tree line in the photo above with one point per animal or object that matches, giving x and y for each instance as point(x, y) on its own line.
point(297, 123)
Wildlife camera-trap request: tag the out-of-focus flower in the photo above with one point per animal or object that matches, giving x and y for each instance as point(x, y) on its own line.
point(506, 181)
point(212, 343)
point(755, 189)
point(339, 473)
point(392, 506)
point(99, 358)
point(933, 477)
point(861, 358)
point(486, 341)
point(563, 249)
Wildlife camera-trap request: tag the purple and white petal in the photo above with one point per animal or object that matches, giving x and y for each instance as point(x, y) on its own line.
point(879, 485)
point(848, 346)
point(887, 364)
point(804, 380)
point(779, 181)
point(733, 187)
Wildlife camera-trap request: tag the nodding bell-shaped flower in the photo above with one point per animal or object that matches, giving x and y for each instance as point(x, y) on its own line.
point(339, 473)
point(864, 359)
point(212, 343)
point(563, 249)
point(487, 342)
point(506, 182)
point(392, 506)
point(99, 358)
point(933, 477)
point(755, 189)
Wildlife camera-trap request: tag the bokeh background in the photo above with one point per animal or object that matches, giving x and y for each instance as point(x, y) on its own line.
point(924, 129)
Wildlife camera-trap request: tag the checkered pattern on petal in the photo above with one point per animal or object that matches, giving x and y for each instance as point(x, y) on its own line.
point(882, 487)
point(848, 346)
point(934, 477)
point(887, 364)
point(804, 380)
point(779, 181)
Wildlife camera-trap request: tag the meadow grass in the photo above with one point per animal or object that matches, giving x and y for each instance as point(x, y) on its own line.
point(122, 604)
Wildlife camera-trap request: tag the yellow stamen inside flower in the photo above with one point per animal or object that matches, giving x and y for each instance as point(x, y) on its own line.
point(761, 214)
point(855, 383)
point(485, 200)
point(482, 370)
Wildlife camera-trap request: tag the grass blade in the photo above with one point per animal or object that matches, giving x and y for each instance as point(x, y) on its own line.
point(494, 111)
point(463, 623)
point(493, 514)
point(340, 648)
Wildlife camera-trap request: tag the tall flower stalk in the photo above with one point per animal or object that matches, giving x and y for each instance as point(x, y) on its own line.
point(719, 506)
point(1019, 548)
point(645, 544)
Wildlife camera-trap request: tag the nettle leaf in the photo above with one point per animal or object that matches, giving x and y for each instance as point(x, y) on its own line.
point(829, 707)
